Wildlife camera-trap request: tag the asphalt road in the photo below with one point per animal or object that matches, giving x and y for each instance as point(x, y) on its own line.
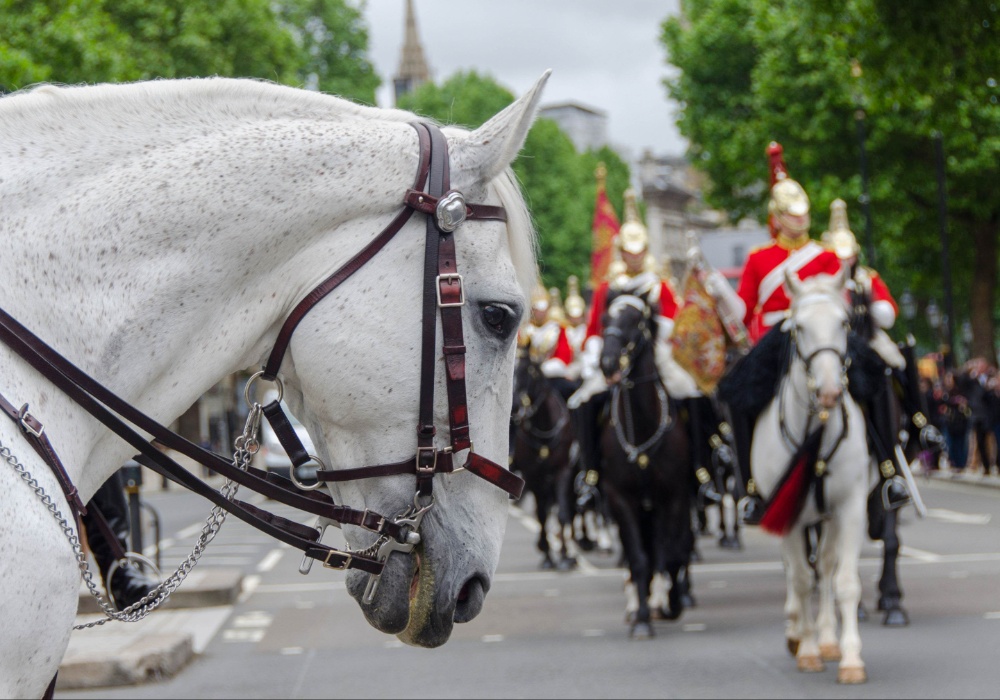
point(549, 634)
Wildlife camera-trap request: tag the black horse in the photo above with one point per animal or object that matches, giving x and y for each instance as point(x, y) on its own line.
point(914, 434)
point(542, 451)
point(646, 462)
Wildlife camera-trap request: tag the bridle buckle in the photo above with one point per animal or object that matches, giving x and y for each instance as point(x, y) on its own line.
point(432, 467)
point(451, 278)
point(338, 567)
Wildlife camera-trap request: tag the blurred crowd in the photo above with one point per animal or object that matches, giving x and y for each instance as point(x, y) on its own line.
point(964, 404)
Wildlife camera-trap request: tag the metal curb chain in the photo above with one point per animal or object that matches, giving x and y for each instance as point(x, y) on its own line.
point(244, 448)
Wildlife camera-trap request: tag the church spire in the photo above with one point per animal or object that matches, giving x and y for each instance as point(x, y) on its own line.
point(413, 70)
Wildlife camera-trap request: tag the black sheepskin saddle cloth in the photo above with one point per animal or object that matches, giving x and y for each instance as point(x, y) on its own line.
point(752, 381)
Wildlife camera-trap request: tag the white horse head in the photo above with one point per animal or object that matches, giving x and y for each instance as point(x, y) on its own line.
point(158, 234)
point(819, 321)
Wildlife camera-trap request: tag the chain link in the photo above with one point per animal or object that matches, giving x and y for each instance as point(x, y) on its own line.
point(244, 448)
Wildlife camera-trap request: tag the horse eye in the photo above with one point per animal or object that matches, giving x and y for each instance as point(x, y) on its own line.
point(498, 318)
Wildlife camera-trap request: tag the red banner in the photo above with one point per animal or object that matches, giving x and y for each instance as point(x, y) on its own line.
point(605, 229)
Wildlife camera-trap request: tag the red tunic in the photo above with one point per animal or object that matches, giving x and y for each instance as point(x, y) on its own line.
point(599, 302)
point(880, 291)
point(764, 294)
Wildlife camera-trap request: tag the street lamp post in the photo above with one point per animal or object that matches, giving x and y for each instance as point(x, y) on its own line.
point(908, 305)
point(938, 323)
point(865, 199)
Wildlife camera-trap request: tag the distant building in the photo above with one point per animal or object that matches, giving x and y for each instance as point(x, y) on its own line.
point(413, 71)
point(671, 190)
point(586, 127)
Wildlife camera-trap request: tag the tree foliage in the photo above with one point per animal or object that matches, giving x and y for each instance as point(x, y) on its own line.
point(558, 182)
point(812, 75)
point(321, 43)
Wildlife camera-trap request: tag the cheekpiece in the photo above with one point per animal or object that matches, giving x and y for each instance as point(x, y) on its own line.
point(451, 211)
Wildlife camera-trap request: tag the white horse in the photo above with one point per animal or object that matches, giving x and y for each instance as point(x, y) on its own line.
point(813, 394)
point(158, 234)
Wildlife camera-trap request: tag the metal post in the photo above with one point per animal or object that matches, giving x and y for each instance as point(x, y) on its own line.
point(859, 120)
point(949, 310)
point(132, 476)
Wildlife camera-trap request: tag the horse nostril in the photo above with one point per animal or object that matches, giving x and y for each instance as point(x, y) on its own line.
point(470, 599)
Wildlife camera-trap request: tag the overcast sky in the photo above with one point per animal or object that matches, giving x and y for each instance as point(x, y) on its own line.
point(604, 54)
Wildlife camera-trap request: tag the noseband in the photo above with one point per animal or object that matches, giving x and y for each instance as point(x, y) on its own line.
point(443, 292)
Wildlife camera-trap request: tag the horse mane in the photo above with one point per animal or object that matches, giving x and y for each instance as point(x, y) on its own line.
point(130, 117)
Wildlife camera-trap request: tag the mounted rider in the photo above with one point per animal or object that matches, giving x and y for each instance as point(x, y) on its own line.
point(634, 271)
point(766, 300)
point(576, 324)
point(873, 313)
point(545, 341)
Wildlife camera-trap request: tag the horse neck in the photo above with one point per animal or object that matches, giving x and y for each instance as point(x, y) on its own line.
point(160, 288)
point(643, 397)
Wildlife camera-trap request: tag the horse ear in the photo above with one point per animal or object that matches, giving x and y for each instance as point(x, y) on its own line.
point(792, 281)
point(485, 153)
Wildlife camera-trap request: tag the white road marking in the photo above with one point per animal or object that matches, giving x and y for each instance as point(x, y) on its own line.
point(992, 616)
point(920, 554)
point(492, 638)
point(953, 516)
point(250, 584)
point(695, 627)
point(271, 560)
point(593, 633)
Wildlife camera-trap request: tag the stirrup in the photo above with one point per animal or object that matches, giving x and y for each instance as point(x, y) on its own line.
point(894, 502)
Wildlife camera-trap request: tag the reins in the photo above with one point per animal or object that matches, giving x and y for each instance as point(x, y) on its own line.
point(442, 291)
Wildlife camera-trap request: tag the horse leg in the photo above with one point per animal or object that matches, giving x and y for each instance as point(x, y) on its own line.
point(730, 538)
point(639, 572)
point(565, 513)
point(851, 531)
point(542, 515)
point(826, 619)
point(800, 631)
point(890, 594)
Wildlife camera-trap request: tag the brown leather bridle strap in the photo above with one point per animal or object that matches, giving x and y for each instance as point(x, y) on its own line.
point(93, 397)
point(349, 268)
point(34, 433)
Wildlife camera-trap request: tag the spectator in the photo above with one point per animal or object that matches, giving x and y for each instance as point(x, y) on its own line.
point(954, 409)
point(975, 387)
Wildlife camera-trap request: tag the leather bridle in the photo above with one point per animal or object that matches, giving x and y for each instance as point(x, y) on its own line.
point(443, 290)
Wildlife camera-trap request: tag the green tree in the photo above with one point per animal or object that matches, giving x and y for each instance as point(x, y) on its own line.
point(89, 41)
point(801, 72)
point(558, 182)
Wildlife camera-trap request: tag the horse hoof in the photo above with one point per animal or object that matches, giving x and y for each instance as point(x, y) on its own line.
point(567, 563)
point(793, 646)
point(687, 601)
point(853, 675)
point(732, 543)
point(896, 617)
point(641, 630)
point(810, 664)
point(547, 564)
point(630, 616)
point(829, 652)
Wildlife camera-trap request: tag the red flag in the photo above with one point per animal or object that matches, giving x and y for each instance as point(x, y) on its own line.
point(604, 230)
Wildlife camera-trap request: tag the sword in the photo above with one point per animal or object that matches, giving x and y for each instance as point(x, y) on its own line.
point(911, 483)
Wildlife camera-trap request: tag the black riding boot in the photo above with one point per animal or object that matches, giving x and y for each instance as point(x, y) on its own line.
point(751, 504)
point(128, 585)
point(892, 486)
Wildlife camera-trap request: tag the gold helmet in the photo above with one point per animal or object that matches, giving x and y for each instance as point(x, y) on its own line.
point(556, 312)
point(787, 195)
point(632, 236)
point(575, 306)
point(540, 301)
point(839, 238)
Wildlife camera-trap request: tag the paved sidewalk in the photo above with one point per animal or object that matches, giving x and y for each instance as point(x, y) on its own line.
point(965, 476)
point(157, 647)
